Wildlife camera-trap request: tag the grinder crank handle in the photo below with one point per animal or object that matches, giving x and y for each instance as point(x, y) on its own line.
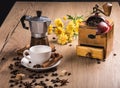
point(23, 18)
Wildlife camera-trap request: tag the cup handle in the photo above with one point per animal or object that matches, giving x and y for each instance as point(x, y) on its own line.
point(24, 54)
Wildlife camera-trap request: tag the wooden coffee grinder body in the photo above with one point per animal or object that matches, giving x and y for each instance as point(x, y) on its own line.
point(92, 45)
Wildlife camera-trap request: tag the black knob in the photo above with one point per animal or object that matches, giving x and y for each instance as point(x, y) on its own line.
point(39, 13)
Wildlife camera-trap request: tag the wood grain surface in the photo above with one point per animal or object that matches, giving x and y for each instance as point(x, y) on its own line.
point(86, 73)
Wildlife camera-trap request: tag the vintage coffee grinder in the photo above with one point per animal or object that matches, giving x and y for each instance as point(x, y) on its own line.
point(38, 27)
point(95, 38)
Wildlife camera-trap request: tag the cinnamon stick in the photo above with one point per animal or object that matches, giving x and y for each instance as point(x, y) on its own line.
point(52, 61)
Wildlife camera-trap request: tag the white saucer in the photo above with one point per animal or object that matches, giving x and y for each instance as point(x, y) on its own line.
point(25, 63)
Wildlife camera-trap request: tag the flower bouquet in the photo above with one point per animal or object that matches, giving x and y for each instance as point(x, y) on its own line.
point(66, 29)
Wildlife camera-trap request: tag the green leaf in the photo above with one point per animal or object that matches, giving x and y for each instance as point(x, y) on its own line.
point(79, 17)
point(70, 17)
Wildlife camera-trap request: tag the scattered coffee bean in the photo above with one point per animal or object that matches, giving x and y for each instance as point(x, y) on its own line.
point(20, 85)
point(114, 54)
point(41, 76)
point(3, 58)
point(53, 81)
point(11, 81)
point(16, 83)
point(17, 63)
point(31, 76)
point(16, 58)
point(46, 74)
point(54, 74)
point(27, 85)
point(55, 85)
point(45, 87)
point(70, 44)
point(37, 66)
point(34, 80)
point(11, 67)
point(46, 79)
point(21, 82)
point(11, 85)
point(13, 76)
point(53, 69)
point(64, 82)
point(36, 84)
point(56, 54)
point(17, 68)
point(50, 86)
point(54, 38)
point(69, 74)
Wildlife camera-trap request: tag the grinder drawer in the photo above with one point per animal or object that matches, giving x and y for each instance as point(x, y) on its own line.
point(91, 52)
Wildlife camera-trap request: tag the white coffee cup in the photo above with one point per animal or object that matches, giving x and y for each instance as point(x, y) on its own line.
point(38, 54)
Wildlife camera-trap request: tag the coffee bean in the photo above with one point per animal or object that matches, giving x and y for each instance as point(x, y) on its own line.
point(41, 76)
point(34, 80)
point(55, 85)
point(11, 85)
point(114, 54)
point(20, 85)
point(11, 81)
point(31, 76)
point(53, 38)
point(27, 85)
point(16, 83)
point(36, 84)
point(56, 54)
point(10, 66)
point(69, 74)
point(53, 69)
point(13, 76)
point(14, 72)
point(3, 58)
point(64, 82)
point(16, 58)
point(21, 82)
point(50, 86)
point(70, 44)
point(46, 79)
point(37, 66)
point(54, 74)
point(46, 74)
point(42, 83)
point(45, 87)
point(53, 81)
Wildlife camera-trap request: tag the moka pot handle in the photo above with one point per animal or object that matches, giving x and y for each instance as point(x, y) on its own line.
point(23, 18)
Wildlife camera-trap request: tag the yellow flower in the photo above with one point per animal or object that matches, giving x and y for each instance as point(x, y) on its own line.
point(64, 18)
point(62, 39)
point(70, 28)
point(50, 28)
point(79, 20)
point(59, 31)
point(76, 29)
point(58, 23)
point(70, 39)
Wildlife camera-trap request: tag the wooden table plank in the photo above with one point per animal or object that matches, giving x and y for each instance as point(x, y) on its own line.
point(86, 73)
point(11, 22)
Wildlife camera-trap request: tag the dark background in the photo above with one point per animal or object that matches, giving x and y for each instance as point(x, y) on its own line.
point(6, 5)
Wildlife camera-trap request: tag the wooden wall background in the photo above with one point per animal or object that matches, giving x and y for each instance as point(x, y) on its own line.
point(6, 5)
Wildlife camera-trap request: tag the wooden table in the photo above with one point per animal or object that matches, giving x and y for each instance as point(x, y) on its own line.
point(86, 73)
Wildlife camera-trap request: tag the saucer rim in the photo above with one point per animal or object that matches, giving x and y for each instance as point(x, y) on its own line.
point(41, 69)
